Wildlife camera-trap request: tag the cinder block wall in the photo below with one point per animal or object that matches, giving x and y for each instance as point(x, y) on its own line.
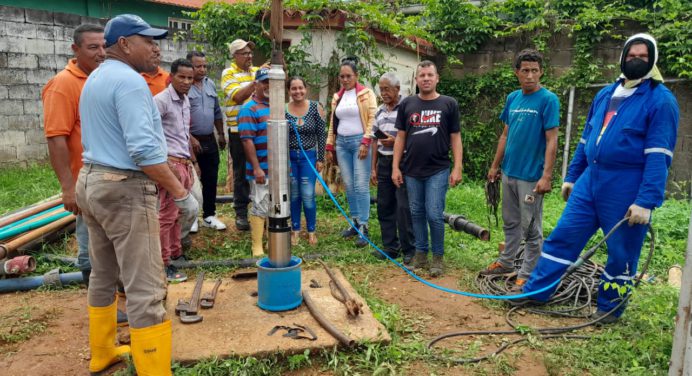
point(34, 46)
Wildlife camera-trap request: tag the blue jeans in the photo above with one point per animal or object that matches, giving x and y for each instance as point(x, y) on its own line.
point(355, 174)
point(303, 189)
point(82, 235)
point(426, 198)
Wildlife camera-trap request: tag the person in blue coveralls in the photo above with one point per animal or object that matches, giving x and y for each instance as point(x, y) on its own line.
point(619, 170)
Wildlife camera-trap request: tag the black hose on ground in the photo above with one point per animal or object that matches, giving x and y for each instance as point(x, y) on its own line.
point(579, 284)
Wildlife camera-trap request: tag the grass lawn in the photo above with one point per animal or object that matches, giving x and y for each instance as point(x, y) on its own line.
point(639, 345)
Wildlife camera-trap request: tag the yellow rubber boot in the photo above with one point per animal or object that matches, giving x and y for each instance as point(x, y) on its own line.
point(151, 349)
point(102, 330)
point(257, 230)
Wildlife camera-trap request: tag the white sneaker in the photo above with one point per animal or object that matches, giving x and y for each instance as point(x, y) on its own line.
point(213, 222)
point(195, 227)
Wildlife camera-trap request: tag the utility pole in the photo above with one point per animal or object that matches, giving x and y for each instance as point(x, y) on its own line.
point(681, 356)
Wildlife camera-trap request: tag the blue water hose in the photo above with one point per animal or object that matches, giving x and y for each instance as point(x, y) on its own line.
point(416, 277)
point(27, 219)
point(16, 230)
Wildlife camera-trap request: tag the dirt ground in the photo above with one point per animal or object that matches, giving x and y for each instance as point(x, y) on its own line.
point(59, 345)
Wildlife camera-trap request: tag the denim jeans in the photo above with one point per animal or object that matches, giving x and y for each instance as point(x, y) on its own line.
point(426, 198)
point(303, 189)
point(82, 234)
point(355, 174)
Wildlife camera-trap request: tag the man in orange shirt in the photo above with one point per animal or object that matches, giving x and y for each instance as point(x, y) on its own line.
point(63, 129)
point(157, 79)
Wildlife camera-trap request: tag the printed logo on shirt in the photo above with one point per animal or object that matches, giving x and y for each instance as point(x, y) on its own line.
point(426, 118)
point(432, 131)
point(524, 111)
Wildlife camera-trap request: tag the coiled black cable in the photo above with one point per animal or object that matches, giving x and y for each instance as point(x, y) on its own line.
point(577, 288)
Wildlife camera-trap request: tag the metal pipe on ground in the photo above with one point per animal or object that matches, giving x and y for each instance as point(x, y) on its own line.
point(35, 245)
point(460, 223)
point(27, 212)
point(51, 279)
point(326, 324)
point(18, 265)
point(9, 248)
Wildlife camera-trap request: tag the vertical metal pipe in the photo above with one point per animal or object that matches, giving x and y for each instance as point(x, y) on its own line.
point(279, 228)
point(568, 131)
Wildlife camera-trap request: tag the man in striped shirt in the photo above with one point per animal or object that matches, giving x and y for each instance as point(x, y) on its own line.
point(393, 210)
point(238, 85)
point(252, 125)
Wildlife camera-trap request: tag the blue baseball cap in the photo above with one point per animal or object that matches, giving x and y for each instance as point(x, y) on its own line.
point(125, 25)
point(262, 74)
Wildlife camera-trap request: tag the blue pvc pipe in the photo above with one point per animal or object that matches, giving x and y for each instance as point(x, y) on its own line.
point(17, 223)
point(30, 283)
point(33, 225)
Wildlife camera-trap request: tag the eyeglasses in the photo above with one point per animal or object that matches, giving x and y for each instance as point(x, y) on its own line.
point(248, 53)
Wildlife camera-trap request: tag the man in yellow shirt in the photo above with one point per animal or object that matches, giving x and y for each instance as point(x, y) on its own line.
point(238, 84)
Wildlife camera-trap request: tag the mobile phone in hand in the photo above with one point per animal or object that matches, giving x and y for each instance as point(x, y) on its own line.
point(381, 135)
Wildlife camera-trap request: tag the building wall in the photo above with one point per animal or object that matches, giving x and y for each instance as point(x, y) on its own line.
point(154, 13)
point(402, 62)
point(34, 46)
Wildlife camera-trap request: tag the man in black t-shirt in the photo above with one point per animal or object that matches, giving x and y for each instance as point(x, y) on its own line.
point(427, 126)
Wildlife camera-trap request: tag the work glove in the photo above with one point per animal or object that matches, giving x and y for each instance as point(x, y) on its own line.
point(189, 208)
point(638, 215)
point(567, 190)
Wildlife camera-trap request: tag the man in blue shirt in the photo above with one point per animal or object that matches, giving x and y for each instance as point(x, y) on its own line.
point(526, 149)
point(125, 156)
point(252, 126)
point(618, 171)
point(205, 116)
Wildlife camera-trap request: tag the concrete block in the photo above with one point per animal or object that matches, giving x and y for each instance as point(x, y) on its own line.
point(3, 28)
point(39, 76)
point(477, 61)
point(32, 152)
point(12, 76)
point(93, 20)
point(25, 92)
point(63, 47)
point(8, 153)
point(35, 137)
point(61, 61)
point(66, 33)
point(561, 58)
point(22, 61)
point(33, 107)
point(24, 30)
point(46, 31)
point(3, 60)
point(36, 16)
point(3, 92)
point(11, 107)
point(47, 62)
point(22, 122)
point(13, 44)
point(11, 14)
point(39, 46)
point(12, 138)
point(66, 19)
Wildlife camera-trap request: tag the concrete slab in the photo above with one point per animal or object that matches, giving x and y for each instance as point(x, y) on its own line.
point(236, 326)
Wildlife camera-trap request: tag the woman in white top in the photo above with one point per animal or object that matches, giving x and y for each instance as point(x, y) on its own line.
point(352, 119)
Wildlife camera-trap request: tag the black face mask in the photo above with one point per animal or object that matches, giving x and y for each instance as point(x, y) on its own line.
point(635, 69)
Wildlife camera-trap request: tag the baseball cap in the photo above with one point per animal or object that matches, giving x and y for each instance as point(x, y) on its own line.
point(125, 25)
point(262, 74)
point(238, 45)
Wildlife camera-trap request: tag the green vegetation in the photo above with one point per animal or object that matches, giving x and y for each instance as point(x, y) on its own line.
point(639, 345)
point(25, 186)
